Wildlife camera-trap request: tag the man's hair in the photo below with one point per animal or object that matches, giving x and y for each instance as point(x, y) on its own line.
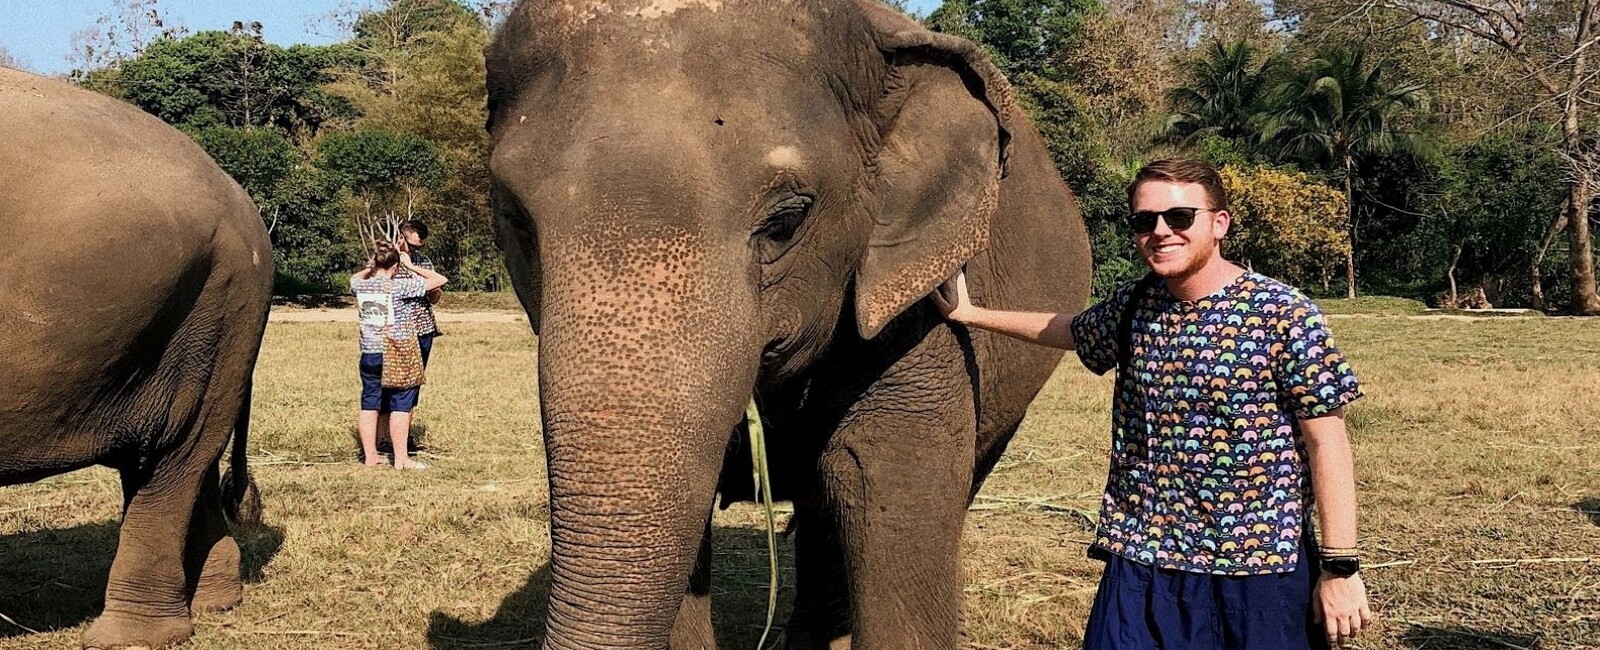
point(415, 226)
point(1183, 170)
point(384, 255)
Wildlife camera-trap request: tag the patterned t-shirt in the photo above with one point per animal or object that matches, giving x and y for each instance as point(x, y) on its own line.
point(380, 305)
point(418, 309)
point(1208, 470)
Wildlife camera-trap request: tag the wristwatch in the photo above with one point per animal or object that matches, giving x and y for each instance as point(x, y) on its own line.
point(1342, 567)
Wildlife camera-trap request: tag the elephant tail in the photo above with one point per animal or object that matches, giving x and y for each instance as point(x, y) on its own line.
point(240, 498)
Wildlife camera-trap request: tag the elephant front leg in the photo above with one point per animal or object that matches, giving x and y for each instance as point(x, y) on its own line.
point(147, 594)
point(821, 616)
point(896, 475)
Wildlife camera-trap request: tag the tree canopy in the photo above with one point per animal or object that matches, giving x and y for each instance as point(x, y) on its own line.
point(1438, 146)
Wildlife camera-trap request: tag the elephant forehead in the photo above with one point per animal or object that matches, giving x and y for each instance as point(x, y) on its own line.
point(665, 25)
point(785, 157)
point(647, 9)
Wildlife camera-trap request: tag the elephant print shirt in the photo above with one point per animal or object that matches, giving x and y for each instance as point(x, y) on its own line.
point(380, 304)
point(1208, 471)
point(418, 310)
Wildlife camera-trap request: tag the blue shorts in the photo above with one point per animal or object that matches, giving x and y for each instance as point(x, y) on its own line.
point(374, 397)
point(1139, 607)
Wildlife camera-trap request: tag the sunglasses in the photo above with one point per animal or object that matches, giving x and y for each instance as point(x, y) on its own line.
point(1144, 221)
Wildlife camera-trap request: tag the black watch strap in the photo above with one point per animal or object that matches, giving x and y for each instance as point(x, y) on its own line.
point(1343, 567)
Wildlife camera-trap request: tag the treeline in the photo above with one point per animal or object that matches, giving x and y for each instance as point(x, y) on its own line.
point(337, 144)
point(1439, 149)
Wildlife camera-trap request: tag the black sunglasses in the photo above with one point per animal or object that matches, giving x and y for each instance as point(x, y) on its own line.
point(1144, 221)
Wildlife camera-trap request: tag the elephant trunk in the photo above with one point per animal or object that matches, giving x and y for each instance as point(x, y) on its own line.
point(646, 361)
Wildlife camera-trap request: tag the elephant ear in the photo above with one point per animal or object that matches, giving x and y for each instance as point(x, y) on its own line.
point(944, 121)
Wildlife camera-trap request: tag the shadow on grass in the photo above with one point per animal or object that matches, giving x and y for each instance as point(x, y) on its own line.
point(315, 301)
point(416, 444)
point(1589, 508)
point(1460, 638)
point(739, 573)
point(56, 579)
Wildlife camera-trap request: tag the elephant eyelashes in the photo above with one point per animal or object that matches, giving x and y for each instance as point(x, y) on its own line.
point(780, 225)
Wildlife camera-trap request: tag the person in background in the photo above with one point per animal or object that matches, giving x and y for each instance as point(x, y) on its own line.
point(413, 236)
point(379, 297)
point(1228, 410)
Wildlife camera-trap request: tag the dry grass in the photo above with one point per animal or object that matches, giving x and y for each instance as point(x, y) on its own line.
point(1476, 445)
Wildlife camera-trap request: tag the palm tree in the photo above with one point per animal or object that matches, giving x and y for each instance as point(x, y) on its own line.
point(1230, 87)
point(1336, 111)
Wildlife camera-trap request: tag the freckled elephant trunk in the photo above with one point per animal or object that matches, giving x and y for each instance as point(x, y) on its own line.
point(647, 359)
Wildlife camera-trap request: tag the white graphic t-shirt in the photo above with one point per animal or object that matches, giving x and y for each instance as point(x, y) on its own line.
point(376, 302)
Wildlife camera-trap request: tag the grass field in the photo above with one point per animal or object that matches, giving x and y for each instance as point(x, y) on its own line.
point(1478, 461)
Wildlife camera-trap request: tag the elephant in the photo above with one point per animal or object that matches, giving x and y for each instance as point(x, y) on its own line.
point(701, 201)
point(138, 277)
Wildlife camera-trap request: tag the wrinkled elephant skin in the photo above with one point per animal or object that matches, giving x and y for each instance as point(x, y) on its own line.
point(137, 278)
point(701, 199)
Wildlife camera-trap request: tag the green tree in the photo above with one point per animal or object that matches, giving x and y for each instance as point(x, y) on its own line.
point(1335, 111)
point(1552, 45)
point(398, 22)
point(1285, 224)
point(1498, 192)
point(258, 159)
point(429, 81)
point(298, 203)
point(309, 249)
point(1021, 35)
point(388, 174)
point(232, 78)
point(1229, 87)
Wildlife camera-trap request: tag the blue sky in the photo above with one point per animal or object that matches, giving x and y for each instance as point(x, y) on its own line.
point(39, 32)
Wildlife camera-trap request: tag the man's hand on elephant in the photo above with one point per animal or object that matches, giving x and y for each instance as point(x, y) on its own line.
point(953, 300)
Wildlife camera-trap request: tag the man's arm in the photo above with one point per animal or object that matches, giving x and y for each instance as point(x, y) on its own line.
point(430, 279)
point(365, 272)
point(1054, 330)
point(1342, 602)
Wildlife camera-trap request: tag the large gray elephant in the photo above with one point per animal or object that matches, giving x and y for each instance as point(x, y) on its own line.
point(136, 282)
point(703, 199)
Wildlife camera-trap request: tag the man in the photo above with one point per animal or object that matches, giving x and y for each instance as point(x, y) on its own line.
point(1228, 410)
point(418, 310)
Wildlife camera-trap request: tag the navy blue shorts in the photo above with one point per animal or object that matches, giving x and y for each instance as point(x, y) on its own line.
point(374, 397)
point(1139, 607)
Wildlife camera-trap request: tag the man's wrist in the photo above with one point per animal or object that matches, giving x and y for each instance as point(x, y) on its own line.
point(1340, 567)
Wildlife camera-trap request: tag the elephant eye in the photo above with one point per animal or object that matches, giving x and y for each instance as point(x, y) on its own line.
point(783, 220)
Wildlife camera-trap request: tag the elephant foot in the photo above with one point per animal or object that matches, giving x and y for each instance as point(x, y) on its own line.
point(220, 587)
point(124, 631)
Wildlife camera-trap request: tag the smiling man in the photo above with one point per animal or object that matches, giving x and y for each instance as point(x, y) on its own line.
point(1227, 412)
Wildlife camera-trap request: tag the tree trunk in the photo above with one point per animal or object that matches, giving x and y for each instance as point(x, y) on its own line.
point(1350, 222)
point(1535, 273)
point(1455, 299)
point(1585, 302)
